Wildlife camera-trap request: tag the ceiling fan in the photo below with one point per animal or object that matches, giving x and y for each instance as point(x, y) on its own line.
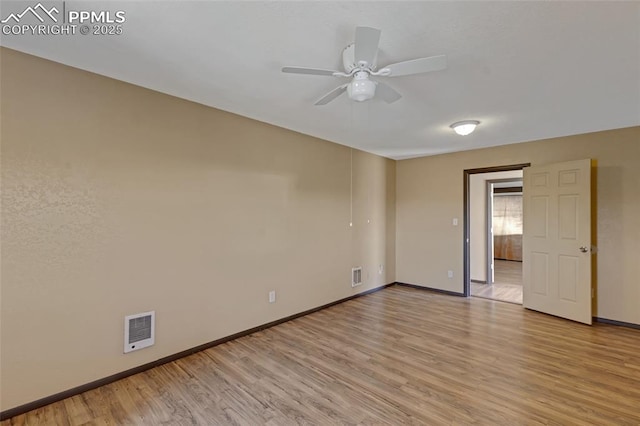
point(360, 64)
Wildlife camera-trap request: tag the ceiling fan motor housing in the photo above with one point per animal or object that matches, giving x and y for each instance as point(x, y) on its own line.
point(361, 88)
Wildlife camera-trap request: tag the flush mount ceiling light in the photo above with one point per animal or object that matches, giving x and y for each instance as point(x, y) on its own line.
point(464, 128)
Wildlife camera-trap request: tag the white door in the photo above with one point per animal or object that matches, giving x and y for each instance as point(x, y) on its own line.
point(557, 239)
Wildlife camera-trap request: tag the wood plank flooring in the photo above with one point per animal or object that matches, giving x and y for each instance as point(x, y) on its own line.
point(507, 272)
point(507, 285)
point(397, 356)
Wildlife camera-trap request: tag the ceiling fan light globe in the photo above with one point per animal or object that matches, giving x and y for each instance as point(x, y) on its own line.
point(361, 90)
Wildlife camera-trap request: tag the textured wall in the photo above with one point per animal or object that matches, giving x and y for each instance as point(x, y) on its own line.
point(429, 194)
point(118, 200)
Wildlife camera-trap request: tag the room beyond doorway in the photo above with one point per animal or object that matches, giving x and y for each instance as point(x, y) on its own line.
point(504, 218)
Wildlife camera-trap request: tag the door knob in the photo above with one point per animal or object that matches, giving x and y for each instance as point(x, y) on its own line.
point(584, 249)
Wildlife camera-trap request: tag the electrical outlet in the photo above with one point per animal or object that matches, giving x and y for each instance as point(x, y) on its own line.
point(380, 269)
point(450, 273)
point(272, 296)
point(455, 221)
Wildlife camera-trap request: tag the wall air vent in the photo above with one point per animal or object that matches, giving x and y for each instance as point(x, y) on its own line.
point(356, 276)
point(139, 331)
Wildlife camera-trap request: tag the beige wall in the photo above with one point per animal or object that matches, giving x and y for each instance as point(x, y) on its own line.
point(118, 200)
point(429, 194)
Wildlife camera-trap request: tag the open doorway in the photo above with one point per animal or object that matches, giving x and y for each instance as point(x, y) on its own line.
point(504, 239)
point(493, 233)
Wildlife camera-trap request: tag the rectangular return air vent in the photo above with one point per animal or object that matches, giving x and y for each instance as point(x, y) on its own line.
point(356, 276)
point(139, 331)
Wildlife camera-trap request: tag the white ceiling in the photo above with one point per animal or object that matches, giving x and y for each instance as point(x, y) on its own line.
point(526, 70)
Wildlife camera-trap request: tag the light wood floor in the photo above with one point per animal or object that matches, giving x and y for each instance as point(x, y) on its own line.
point(398, 356)
point(507, 272)
point(507, 285)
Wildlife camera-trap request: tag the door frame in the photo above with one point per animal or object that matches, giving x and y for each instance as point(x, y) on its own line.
point(467, 215)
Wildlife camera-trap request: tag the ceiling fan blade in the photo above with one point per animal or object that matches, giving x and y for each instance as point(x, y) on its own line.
point(386, 93)
point(366, 45)
point(332, 95)
point(417, 66)
point(311, 71)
